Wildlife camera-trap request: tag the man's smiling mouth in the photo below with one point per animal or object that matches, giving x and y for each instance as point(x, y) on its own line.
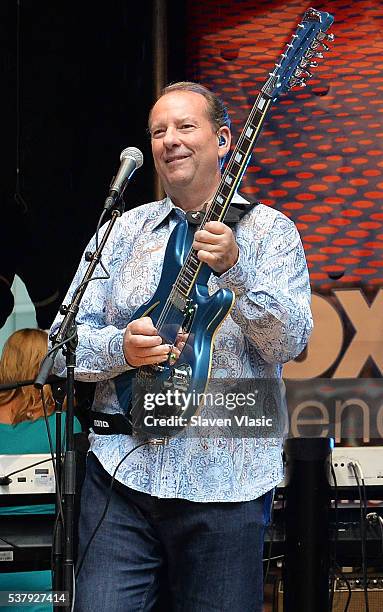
point(176, 159)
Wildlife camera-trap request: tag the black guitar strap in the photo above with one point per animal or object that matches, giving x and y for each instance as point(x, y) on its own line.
point(235, 212)
point(111, 424)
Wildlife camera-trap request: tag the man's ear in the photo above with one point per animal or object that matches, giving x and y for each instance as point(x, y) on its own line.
point(224, 141)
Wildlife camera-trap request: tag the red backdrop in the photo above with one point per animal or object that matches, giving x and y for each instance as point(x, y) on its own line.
point(319, 158)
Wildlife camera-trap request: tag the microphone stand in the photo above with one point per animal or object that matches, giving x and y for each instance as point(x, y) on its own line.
point(58, 392)
point(66, 337)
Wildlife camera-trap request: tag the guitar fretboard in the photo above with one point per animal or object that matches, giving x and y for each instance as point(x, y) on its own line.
point(229, 182)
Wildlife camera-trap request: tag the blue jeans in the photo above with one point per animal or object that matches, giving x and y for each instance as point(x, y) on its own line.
point(209, 555)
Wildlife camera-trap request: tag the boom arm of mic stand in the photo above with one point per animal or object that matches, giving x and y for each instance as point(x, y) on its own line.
point(66, 328)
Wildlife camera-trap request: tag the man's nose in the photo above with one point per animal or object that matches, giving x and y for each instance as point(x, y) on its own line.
point(171, 137)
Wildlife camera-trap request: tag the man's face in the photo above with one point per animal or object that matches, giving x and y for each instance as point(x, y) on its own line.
point(184, 143)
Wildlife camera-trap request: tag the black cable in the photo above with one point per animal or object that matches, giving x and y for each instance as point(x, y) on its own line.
point(9, 543)
point(365, 540)
point(272, 531)
point(99, 226)
point(374, 518)
point(348, 588)
point(109, 497)
point(363, 536)
point(27, 467)
point(380, 520)
point(57, 517)
point(334, 553)
point(58, 346)
point(58, 484)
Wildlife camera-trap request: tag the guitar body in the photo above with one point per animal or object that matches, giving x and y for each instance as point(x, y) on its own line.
point(188, 324)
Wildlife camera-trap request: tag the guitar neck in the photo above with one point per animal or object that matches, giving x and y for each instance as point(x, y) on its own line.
point(228, 185)
point(239, 160)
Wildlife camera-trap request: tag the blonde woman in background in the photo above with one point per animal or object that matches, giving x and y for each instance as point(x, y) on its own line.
point(20, 360)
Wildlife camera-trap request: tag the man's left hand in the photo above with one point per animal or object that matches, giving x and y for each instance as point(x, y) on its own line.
point(216, 246)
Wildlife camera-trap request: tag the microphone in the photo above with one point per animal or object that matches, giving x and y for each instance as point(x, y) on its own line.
point(131, 159)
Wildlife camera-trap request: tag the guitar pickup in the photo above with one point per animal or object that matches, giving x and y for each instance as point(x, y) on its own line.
point(179, 378)
point(178, 299)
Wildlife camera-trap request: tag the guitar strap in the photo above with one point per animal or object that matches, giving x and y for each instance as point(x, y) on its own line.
point(235, 212)
point(112, 424)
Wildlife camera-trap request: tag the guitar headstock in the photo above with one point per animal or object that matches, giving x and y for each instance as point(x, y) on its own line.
point(307, 44)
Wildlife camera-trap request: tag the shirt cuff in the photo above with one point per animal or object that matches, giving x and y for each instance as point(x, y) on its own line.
point(116, 351)
point(235, 278)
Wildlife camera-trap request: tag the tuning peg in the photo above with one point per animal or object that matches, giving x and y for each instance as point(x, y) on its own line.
point(318, 54)
point(301, 72)
point(305, 62)
point(325, 47)
point(330, 37)
point(295, 82)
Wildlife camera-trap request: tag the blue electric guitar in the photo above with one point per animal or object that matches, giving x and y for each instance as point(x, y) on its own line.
point(182, 310)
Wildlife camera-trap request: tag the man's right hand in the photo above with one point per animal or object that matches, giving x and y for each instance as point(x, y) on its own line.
point(142, 344)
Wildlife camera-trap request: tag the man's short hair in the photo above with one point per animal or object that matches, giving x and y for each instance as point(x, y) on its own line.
point(216, 109)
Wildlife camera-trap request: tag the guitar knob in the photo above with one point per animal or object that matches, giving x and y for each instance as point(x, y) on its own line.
point(313, 64)
point(319, 54)
point(325, 47)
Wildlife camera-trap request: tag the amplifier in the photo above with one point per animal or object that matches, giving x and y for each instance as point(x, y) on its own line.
point(374, 591)
point(367, 461)
point(30, 474)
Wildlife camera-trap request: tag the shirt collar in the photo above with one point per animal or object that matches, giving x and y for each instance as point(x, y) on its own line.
point(168, 208)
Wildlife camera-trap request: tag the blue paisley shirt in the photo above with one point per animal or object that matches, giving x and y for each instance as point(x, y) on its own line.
point(269, 325)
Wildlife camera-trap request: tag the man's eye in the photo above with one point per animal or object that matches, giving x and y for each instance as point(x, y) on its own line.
point(187, 126)
point(158, 133)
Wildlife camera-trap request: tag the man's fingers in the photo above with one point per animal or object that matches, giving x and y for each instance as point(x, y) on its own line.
point(208, 237)
point(143, 326)
point(204, 246)
point(139, 340)
point(152, 360)
point(148, 351)
point(216, 227)
point(146, 355)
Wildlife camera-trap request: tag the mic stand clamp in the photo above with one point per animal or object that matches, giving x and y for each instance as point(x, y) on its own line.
point(66, 336)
